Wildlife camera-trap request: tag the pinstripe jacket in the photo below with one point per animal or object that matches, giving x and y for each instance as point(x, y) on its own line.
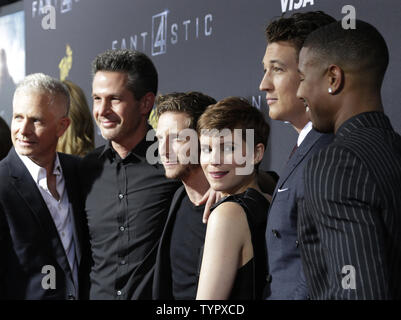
point(350, 224)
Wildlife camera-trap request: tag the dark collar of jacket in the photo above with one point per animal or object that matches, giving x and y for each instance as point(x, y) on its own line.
point(309, 141)
point(373, 119)
point(162, 281)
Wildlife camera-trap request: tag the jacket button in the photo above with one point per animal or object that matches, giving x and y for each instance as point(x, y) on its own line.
point(71, 297)
point(297, 243)
point(276, 233)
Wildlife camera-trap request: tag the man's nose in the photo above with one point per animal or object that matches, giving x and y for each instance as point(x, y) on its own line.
point(104, 107)
point(25, 127)
point(266, 84)
point(164, 147)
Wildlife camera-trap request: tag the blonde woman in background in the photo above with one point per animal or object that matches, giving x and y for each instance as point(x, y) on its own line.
point(79, 137)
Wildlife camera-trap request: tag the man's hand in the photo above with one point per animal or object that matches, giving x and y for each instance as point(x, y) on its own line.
point(210, 198)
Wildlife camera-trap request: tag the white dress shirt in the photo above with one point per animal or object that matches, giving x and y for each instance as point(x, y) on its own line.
point(59, 209)
point(304, 132)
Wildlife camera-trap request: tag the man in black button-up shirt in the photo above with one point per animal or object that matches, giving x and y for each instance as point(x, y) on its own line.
point(127, 198)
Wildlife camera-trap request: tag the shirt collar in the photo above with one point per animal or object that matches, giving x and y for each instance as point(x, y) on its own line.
point(304, 132)
point(37, 172)
point(375, 119)
point(139, 151)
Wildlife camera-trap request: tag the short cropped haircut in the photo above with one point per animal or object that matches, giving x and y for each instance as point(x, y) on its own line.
point(235, 113)
point(362, 49)
point(141, 72)
point(5, 139)
point(192, 103)
point(297, 27)
point(45, 84)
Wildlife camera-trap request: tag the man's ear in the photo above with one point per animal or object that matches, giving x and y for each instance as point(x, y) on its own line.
point(147, 102)
point(258, 153)
point(335, 77)
point(63, 125)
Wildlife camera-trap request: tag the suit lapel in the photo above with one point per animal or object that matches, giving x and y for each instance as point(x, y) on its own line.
point(163, 271)
point(28, 190)
point(297, 158)
point(72, 192)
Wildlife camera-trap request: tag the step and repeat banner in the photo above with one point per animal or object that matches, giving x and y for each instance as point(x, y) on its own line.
point(215, 47)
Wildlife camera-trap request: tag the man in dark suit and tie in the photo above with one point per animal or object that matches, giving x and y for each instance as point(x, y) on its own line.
point(350, 225)
point(285, 36)
point(42, 244)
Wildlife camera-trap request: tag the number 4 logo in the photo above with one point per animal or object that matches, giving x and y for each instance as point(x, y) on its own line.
point(159, 33)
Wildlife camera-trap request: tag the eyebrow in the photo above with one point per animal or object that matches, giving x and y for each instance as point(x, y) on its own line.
point(276, 61)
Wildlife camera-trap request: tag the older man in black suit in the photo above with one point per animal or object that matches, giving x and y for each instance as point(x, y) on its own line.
point(350, 226)
point(42, 244)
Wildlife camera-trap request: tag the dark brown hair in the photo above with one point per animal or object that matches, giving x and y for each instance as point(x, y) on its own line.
point(235, 113)
point(297, 27)
point(192, 103)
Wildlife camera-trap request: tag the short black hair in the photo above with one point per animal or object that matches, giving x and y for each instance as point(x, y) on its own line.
point(193, 103)
point(5, 139)
point(362, 49)
point(297, 27)
point(142, 74)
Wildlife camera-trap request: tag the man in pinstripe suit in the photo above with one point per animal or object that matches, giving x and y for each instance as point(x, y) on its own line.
point(350, 225)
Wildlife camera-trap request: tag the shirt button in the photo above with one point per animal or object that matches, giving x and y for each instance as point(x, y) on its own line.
point(122, 228)
point(119, 293)
point(275, 233)
point(121, 196)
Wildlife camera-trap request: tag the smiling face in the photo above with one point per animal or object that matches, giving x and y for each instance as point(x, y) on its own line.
point(280, 81)
point(38, 121)
point(115, 109)
point(313, 89)
point(220, 159)
point(171, 145)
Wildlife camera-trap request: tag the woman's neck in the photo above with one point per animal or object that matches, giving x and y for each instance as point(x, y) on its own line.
point(250, 183)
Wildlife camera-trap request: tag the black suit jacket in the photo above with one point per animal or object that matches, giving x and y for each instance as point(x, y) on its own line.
point(162, 279)
point(350, 225)
point(28, 236)
point(287, 279)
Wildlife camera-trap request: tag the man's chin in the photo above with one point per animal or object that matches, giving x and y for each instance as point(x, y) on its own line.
point(322, 129)
point(177, 173)
point(23, 151)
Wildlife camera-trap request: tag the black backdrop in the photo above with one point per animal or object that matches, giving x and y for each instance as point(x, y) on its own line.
point(206, 45)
